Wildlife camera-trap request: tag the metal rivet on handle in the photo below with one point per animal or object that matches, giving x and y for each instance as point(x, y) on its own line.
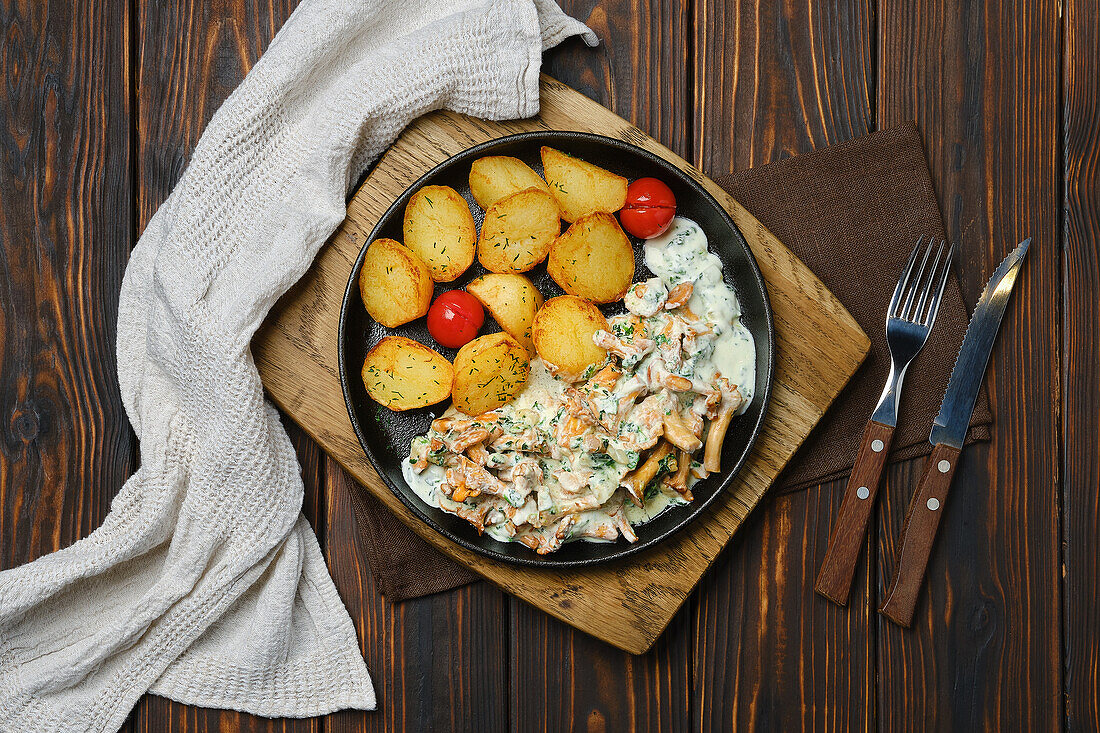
point(862, 492)
point(877, 446)
point(944, 466)
point(933, 503)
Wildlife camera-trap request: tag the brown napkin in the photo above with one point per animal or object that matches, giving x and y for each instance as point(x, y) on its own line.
point(852, 212)
point(403, 565)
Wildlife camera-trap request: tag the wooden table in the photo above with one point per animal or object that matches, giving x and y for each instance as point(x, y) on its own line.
point(102, 103)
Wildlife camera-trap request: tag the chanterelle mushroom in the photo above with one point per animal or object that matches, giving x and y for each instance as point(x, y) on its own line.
point(679, 434)
point(716, 434)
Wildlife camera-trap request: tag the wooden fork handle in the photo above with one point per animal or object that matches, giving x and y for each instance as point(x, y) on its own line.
point(834, 580)
point(922, 519)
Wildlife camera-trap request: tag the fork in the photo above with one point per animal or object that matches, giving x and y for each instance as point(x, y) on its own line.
point(909, 319)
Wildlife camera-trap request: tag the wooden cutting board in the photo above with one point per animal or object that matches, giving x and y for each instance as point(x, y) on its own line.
point(626, 603)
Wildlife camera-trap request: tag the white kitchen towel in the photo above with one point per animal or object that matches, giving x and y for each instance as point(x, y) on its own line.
point(204, 583)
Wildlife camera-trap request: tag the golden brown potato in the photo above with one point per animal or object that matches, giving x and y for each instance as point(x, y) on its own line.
point(562, 333)
point(395, 284)
point(593, 259)
point(439, 228)
point(496, 176)
point(489, 372)
point(517, 231)
point(403, 374)
point(580, 187)
point(512, 300)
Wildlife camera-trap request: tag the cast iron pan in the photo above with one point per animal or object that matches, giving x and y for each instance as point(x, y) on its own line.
point(386, 435)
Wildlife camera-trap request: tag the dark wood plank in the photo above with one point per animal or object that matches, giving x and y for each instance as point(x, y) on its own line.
point(160, 715)
point(640, 70)
point(191, 57)
point(770, 654)
point(1081, 347)
point(65, 200)
point(566, 680)
point(560, 678)
point(981, 79)
point(438, 662)
point(772, 81)
point(312, 460)
point(65, 234)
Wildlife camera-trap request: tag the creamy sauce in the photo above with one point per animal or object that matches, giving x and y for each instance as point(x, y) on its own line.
point(424, 484)
point(681, 254)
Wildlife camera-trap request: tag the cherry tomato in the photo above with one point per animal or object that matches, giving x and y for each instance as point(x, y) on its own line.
point(650, 206)
point(455, 318)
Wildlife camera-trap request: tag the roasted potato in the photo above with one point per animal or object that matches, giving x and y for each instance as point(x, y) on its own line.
point(517, 231)
point(512, 300)
point(489, 372)
point(593, 259)
point(395, 284)
point(439, 228)
point(403, 374)
point(580, 187)
point(496, 176)
point(562, 333)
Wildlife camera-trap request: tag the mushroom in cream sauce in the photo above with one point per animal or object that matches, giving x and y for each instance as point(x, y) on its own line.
point(593, 459)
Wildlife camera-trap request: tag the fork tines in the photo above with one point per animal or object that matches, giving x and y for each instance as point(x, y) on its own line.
point(917, 297)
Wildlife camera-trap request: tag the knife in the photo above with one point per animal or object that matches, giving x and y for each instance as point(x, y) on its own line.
point(922, 519)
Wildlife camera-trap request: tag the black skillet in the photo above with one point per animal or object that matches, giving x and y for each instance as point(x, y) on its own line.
point(385, 435)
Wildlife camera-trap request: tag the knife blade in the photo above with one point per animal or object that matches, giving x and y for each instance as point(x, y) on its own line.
point(953, 419)
point(922, 518)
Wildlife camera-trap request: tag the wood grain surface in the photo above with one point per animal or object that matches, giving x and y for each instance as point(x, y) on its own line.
point(1080, 347)
point(64, 173)
point(1007, 101)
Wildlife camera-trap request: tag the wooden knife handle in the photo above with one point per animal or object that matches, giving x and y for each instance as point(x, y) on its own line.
point(834, 580)
point(922, 519)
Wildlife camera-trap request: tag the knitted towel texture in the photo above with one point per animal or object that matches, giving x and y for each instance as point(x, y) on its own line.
point(205, 584)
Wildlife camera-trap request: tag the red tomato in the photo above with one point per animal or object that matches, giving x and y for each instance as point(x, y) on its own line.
point(455, 318)
point(650, 206)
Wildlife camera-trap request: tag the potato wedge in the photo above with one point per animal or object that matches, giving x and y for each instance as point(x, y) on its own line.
point(439, 228)
point(395, 284)
point(562, 333)
point(403, 374)
point(580, 187)
point(496, 176)
point(489, 372)
point(593, 259)
point(517, 231)
point(512, 300)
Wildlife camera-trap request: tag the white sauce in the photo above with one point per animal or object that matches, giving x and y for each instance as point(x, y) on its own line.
point(681, 254)
point(423, 484)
